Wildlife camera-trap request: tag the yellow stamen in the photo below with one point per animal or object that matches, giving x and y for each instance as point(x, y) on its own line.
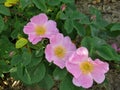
point(59, 51)
point(86, 67)
point(40, 30)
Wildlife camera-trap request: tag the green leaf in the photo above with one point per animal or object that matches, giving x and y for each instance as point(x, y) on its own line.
point(26, 58)
point(59, 74)
point(25, 3)
point(63, 16)
point(67, 84)
point(1, 24)
point(47, 82)
point(6, 47)
point(21, 42)
point(34, 61)
point(4, 10)
point(4, 67)
point(115, 27)
point(53, 3)
point(108, 53)
point(67, 1)
point(94, 31)
point(84, 19)
point(92, 44)
point(80, 28)
point(2, 1)
point(39, 52)
point(95, 11)
point(40, 4)
point(31, 75)
point(37, 72)
point(68, 25)
point(16, 60)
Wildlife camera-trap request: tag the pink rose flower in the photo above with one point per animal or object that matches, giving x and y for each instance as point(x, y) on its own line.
point(114, 45)
point(40, 27)
point(59, 50)
point(84, 69)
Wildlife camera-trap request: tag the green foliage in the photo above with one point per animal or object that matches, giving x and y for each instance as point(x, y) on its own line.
point(100, 48)
point(1, 24)
point(115, 27)
point(26, 62)
point(66, 84)
point(4, 10)
point(47, 82)
point(21, 42)
point(40, 4)
point(59, 74)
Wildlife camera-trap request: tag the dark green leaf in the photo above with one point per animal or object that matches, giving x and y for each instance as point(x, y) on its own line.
point(4, 10)
point(47, 82)
point(31, 75)
point(16, 60)
point(67, 1)
point(4, 67)
point(26, 58)
point(25, 3)
point(53, 3)
point(80, 28)
point(115, 27)
point(68, 25)
point(37, 72)
point(94, 30)
point(1, 24)
point(40, 4)
point(34, 61)
point(2, 1)
point(59, 74)
point(67, 84)
point(108, 53)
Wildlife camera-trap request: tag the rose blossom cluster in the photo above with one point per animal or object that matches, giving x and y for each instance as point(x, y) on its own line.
point(63, 53)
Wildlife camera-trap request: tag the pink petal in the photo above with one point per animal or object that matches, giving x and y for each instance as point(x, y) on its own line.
point(29, 28)
point(118, 50)
point(34, 39)
point(85, 81)
point(80, 55)
point(82, 52)
point(68, 44)
point(56, 39)
point(59, 63)
point(102, 66)
point(51, 27)
point(48, 53)
point(73, 69)
point(39, 19)
point(97, 76)
point(114, 46)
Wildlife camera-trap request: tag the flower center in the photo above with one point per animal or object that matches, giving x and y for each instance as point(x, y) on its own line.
point(40, 30)
point(59, 51)
point(86, 67)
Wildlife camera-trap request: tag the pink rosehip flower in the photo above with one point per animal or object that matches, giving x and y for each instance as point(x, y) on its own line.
point(114, 45)
point(84, 69)
point(59, 50)
point(40, 27)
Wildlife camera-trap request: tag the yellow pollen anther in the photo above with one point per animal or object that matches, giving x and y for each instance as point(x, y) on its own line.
point(40, 30)
point(59, 51)
point(86, 67)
